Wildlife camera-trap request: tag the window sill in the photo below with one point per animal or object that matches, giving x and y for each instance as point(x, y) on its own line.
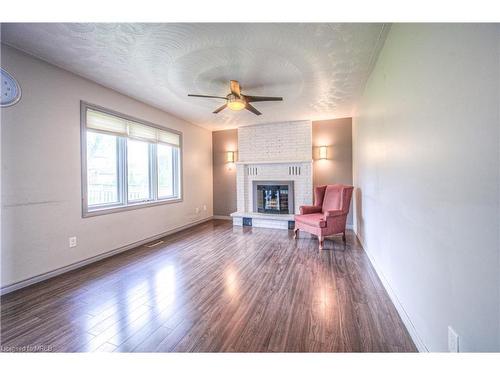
point(129, 207)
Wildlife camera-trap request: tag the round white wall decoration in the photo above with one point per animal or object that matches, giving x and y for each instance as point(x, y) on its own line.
point(11, 91)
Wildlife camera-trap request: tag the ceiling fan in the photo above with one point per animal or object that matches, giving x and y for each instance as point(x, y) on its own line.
point(236, 101)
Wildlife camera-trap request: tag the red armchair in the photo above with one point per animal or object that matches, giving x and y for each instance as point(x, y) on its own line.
point(328, 215)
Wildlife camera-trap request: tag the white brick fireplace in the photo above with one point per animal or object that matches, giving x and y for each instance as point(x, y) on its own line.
point(273, 152)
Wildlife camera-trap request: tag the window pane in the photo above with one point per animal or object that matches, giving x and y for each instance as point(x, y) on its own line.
point(138, 170)
point(102, 169)
point(165, 171)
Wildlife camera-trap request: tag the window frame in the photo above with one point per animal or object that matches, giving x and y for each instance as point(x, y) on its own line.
point(123, 203)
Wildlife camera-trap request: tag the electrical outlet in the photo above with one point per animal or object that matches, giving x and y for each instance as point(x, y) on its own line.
point(197, 210)
point(72, 242)
point(453, 340)
point(204, 207)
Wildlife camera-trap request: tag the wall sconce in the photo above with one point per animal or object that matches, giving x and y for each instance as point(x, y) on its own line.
point(230, 157)
point(323, 153)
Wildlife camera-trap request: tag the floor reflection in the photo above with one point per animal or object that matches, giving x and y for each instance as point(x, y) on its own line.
point(164, 287)
point(231, 282)
point(325, 297)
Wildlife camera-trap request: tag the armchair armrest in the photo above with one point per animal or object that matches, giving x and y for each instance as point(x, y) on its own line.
point(305, 210)
point(333, 213)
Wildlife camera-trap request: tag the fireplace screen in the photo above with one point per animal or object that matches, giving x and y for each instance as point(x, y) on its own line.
point(273, 199)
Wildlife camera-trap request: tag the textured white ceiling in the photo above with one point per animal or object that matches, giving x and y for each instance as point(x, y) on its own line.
point(319, 69)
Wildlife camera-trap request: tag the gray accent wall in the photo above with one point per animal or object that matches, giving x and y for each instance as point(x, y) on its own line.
point(224, 179)
point(336, 135)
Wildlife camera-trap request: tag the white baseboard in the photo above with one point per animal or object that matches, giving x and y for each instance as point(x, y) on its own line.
point(222, 217)
point(47, 275)
point(412, 330)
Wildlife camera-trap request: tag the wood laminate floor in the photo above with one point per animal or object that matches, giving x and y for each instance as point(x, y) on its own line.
point(212, 288)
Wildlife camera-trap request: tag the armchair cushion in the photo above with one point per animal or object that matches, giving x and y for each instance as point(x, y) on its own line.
point(314, 220)
point(305, 210)
point(333, 198)
point(333, 213)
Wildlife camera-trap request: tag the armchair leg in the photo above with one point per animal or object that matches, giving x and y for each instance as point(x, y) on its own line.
point(295, 233)
point(321, 242)
point(343, 236)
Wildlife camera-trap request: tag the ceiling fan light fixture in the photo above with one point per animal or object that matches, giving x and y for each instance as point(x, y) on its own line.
point(236, 101)
point(235, 104)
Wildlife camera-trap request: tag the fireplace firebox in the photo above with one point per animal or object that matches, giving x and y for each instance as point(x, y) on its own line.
point(273, 197)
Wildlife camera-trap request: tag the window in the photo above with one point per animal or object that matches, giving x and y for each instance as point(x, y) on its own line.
point(138, 162)
point(102, 171)
point(166, 156)
point(127, 163)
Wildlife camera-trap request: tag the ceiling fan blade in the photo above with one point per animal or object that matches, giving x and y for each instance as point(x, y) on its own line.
point(252, 109)
point(235, 88)
point(220, 108)
point(251, 98)
point(207, 96)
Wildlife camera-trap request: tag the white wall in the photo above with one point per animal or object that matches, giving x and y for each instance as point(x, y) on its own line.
point(279, 141)
point(41, 187)
point(426, 168)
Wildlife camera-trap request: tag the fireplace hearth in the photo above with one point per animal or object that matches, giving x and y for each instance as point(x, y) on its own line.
point(273, 197)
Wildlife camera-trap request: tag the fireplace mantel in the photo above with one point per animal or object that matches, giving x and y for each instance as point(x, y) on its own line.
point(300, 173)
point(273, 162)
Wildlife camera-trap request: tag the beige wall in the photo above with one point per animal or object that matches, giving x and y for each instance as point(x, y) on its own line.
point(224, 173)
point(426, 171)
point(337, 168)
point(41, 186)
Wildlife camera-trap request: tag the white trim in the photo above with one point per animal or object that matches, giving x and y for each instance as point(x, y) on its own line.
point(44, 276)
point(222, 217)
point(275, 162)
point(412, 330)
